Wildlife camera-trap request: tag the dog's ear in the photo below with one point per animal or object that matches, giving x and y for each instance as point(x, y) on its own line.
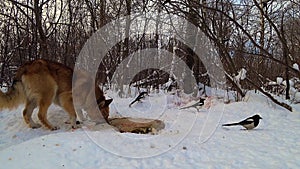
point(107, 102)
point(101, 104)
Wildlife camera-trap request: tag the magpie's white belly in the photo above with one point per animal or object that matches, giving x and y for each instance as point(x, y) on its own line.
point(249, 126)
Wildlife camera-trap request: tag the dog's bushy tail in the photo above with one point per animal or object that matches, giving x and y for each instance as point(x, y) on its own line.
point(13, 97)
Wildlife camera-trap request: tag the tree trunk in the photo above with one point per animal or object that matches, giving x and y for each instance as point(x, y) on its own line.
point(286, 59)
point(191, 38)
point(38, 10)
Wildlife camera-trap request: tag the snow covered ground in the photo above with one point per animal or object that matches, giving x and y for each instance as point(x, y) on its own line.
point(190, 139)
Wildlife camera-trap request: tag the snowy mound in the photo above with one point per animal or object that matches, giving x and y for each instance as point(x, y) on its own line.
point(206, 144)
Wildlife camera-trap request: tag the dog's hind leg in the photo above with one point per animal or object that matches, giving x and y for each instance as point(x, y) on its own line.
point(27, 112)
point(44, 104)
point(66, 102)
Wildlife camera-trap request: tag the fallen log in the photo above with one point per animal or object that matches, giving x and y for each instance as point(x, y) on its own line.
point(137, 125)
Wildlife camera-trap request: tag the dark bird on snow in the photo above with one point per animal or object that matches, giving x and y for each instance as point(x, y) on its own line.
point(249, 123)
point(197, 105)
point(138, 98)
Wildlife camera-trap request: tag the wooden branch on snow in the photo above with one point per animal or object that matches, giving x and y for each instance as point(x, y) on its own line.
point(288, 107)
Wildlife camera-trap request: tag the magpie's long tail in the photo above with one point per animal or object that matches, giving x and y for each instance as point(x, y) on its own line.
point(133, 102)
point(231, 124)
point(186, 107)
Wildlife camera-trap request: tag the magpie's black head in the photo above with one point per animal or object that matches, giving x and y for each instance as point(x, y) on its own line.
point(143, 93)
point(257, 117)
point(202, 100)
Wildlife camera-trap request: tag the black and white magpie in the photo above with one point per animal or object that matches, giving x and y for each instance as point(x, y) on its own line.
point(249, 123)
point(138, 98)
point(196, 105)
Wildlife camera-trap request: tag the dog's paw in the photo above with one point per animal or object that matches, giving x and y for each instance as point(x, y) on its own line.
point(76, 126)
point(35, 126)
point(54, 128)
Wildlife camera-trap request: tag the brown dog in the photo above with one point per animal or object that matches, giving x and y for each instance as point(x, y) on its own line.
point(40, 83)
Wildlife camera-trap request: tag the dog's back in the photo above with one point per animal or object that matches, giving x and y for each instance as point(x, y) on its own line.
point(41, 82)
